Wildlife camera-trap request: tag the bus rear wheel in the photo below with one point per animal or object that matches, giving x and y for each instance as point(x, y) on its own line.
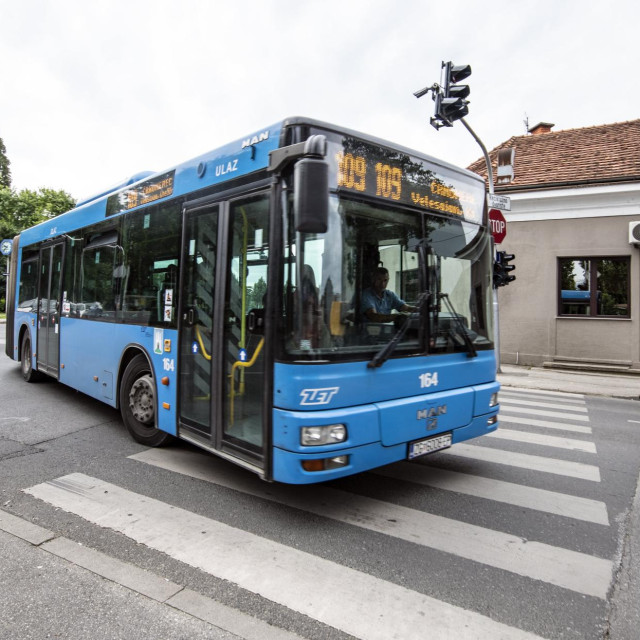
point(28, 372)
point(138, 404)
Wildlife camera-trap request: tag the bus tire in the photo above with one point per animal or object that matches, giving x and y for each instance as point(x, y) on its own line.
point(26, 362)
point(138, 404)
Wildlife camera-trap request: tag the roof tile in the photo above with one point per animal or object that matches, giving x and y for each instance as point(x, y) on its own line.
point(574, 157)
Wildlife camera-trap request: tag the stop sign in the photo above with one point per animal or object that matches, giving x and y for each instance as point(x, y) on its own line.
point(498, 225)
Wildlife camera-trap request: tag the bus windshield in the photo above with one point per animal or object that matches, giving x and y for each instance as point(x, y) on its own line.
point(437, 293)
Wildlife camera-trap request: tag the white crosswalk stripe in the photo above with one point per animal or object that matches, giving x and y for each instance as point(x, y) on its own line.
point(543, 440)
point(526, 461)
point(546, 424)
point(510, 409)
point(511, 401)
point(282, 574)
point(563, 398)
point(286, 575)
point(528, 558)
point(536, 393)
point(560, 504)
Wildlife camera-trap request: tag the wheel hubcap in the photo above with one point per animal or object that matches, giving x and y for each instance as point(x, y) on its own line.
point(141, 400)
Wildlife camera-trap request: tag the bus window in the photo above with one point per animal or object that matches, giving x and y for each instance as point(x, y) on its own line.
point(101, 274)
point(151, 242)
point(28, 298)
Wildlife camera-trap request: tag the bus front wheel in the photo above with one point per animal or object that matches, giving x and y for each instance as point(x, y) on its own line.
point(138, 404)
point(28, 372)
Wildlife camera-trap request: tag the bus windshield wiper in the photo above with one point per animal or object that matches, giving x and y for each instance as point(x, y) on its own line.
point(462, 330)
point(385, 353)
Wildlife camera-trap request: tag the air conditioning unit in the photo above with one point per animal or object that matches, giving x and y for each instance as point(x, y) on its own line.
point(634, 233)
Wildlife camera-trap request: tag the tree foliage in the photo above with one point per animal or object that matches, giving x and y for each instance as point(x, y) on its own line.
point(20, 210)
point(5, 172)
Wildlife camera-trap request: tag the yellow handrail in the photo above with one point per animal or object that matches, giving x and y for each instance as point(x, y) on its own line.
point(199, 337)
point(244, 365)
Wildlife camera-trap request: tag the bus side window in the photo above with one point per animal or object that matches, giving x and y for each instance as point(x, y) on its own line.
point(151, 242)
point(28, 282)
point(101, 276)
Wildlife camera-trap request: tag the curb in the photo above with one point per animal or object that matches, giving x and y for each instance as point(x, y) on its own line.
point(143, 582)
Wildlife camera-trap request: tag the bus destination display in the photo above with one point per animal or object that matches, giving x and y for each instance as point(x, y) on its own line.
point(367, 169)
point(143, 193)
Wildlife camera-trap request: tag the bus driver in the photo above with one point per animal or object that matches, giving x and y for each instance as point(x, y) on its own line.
point(378, 302)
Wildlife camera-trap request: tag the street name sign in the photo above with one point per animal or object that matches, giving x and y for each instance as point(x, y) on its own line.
point(503, 203)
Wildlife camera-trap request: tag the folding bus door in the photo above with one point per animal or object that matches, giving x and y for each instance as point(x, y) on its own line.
point(243, 371)
point(224, 276)
point(49, 308)
point(198, 290)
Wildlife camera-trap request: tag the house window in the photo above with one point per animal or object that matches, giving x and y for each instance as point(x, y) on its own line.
point(594, 287)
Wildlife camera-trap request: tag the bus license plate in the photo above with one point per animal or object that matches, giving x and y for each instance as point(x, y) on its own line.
point(429, 445)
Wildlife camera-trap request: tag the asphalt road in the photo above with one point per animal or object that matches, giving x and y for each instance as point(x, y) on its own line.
point(525, 534)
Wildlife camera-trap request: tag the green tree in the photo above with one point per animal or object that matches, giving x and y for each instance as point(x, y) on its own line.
point(20, 210)
point(256, 294)
point(5, 172)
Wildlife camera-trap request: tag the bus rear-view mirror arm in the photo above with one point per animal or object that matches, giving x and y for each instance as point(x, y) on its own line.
point(310, 182)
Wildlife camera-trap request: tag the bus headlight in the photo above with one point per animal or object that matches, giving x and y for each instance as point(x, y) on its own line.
point(329, 434)
point(494, 400)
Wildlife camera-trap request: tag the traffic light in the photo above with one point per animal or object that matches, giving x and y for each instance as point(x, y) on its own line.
point(451, 103)
point(501, 269)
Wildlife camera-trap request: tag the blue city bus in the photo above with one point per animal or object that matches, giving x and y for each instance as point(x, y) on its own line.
point(220, 302)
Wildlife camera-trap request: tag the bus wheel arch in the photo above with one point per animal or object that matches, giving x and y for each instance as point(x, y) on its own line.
point(137, 397)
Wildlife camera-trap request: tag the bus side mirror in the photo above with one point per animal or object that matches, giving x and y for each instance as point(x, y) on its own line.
point(255, 322)
point(311, 195)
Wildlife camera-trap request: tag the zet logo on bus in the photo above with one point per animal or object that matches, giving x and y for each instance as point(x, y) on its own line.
point(318, 396)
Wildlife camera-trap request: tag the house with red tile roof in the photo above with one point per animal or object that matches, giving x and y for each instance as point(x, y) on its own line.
point(574, 227)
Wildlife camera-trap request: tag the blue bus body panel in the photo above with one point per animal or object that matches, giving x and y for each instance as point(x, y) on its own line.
point(383, 409)
point(91, 352)
point(331, 386)
point(234, 160)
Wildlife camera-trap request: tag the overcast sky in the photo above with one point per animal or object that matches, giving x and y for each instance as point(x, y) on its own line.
point(93, 91)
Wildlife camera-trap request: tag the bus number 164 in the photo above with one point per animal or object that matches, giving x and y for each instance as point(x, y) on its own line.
point(428, 380)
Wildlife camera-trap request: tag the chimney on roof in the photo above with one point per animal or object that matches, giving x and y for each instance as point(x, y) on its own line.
point(541, 127)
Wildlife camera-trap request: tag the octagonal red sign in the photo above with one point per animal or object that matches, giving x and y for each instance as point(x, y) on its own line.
point(498, 225)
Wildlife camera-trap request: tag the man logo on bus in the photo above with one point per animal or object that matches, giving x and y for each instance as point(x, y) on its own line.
point(431, 415)
point(318, 396)
point(261, 137)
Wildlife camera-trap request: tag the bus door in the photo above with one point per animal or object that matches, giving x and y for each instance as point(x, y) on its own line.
point(197, 358)
point(222, 374)
point(49, 308)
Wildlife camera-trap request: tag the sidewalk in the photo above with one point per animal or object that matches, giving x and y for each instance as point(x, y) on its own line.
point(596, 384)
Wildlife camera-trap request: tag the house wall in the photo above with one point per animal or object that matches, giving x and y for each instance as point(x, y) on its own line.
point(572, 223)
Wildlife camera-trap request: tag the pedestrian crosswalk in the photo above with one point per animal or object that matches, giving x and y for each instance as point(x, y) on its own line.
point(526, 471)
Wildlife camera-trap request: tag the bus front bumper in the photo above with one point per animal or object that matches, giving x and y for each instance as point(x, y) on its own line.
point(289, 466)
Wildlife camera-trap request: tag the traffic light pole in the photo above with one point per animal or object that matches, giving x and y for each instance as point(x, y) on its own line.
point(451, 105)
point(496, 314)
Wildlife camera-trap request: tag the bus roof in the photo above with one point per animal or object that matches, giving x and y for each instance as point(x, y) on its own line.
point(233, 160)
